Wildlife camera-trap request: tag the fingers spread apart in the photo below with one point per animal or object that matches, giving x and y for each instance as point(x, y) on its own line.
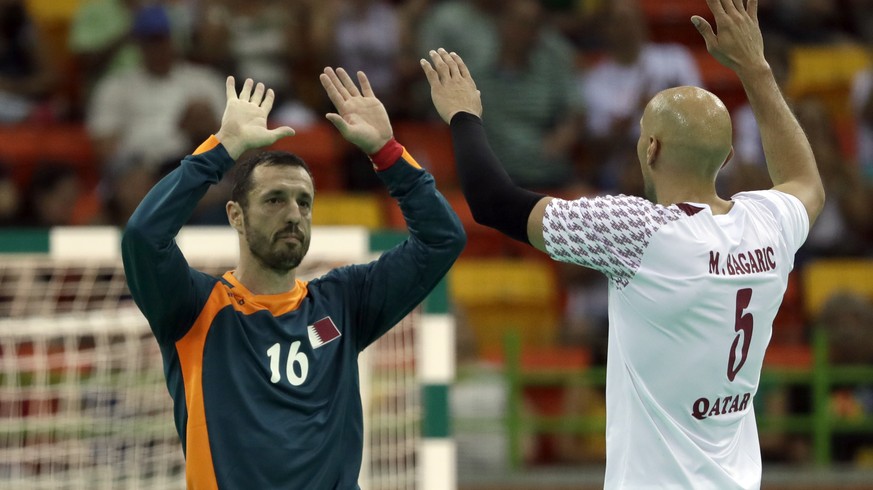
point(335, 90)
point(340, 87)
point(246, 93)
point(261, 96)
point(366, 89)
point(230, 88)
point(347, 82)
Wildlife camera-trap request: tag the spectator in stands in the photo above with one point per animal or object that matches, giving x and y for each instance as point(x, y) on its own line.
point(361, 35)
point(466, 27)
point(848, 319)
point(805, 21)
point(862, 108)
point(100, 36)
point(50, 197)
point(156, 111)
point(861, 19)
point(9, 197)
point(577, 20)
point(129, 179)
point(534, 140)
point(100, 39)
point(366, 35)
point(264, 40)
point(616, 88)
point(847, 221)
point(123, 186)
point(27, 77)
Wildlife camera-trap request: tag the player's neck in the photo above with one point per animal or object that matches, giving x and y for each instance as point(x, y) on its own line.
point(262, 280)
point(679, 193)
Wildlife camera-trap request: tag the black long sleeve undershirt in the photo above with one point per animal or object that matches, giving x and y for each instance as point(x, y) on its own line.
point(494, 199)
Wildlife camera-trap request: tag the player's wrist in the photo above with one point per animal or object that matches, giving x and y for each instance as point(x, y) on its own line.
point(464, 115)
point(208, 144)
point(750, 72)
point(387, 155)
point(233, 147)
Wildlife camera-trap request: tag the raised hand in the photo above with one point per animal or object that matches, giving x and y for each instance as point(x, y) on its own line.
point(738, 44)
point(244, 123)
point(451, 86)
point(360, 118)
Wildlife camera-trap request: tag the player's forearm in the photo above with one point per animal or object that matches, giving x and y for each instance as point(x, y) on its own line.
point(786, 147)
point(156, 270)
point(148, 237)
point(404, 275)
point(428, 216)
point(494, 200)
point(171, 202)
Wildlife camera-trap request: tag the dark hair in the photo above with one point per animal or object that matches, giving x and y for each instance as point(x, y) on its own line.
point(243, 175)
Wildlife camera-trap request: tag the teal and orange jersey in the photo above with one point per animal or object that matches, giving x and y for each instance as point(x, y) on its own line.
point(265, 387)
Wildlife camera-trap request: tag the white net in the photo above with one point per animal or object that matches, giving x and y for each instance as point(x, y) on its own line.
point(393, 414)
point(84, 404)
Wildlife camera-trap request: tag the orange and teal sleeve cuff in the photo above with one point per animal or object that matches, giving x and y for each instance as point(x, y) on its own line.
point(207, 145)
point(386, 157)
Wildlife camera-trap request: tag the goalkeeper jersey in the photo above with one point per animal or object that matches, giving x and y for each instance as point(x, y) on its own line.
point(692, 298)
point(265, 387)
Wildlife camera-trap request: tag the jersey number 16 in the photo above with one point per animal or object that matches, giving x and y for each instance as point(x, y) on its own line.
point(297, 361)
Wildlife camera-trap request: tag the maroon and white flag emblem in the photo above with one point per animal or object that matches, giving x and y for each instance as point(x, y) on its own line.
point(322, 332)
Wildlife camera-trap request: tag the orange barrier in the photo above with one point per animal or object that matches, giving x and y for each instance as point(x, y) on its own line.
point(23, 146)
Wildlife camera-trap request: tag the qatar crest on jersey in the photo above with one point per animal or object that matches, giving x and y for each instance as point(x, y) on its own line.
point(322, 332)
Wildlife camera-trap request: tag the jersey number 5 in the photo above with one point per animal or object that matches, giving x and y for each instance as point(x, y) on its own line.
point(743, 327)
point(296, 361)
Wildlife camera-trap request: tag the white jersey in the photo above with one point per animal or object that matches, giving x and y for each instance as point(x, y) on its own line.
point(692, 297)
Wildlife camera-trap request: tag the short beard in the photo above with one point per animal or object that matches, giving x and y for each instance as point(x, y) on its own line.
point(281, 261)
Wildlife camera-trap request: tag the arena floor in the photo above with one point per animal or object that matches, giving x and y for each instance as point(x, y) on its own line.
point(775, 478)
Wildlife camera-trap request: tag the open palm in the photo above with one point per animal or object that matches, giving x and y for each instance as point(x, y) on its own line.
point(244, 123)
point(361, 118)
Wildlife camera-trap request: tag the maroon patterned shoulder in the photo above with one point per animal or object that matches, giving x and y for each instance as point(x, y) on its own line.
point(608, 233)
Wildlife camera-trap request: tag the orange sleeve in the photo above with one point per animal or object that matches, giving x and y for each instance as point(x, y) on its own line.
point(207, 145)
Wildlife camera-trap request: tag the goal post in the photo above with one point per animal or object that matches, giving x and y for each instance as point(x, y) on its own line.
point(83, 402)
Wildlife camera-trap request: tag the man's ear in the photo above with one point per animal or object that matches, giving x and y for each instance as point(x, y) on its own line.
point(235, 216)
point(652, 151)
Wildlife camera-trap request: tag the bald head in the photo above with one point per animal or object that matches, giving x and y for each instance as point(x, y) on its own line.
point(693, 128)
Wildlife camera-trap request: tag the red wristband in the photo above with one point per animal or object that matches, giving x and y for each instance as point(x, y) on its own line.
point(387, 156)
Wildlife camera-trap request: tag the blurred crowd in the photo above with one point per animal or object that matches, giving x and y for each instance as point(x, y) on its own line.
point(563, 83)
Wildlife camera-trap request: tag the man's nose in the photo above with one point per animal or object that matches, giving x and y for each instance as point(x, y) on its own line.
point(293, 214)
